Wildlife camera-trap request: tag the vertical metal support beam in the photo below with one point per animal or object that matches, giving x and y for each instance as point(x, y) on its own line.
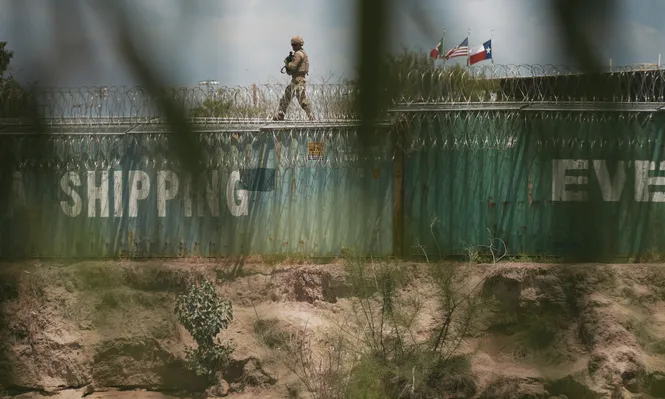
point(398, 200)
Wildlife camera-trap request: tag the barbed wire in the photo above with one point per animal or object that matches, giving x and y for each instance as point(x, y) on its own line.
point(288, 148)
point(495, 84)
point(284, 149)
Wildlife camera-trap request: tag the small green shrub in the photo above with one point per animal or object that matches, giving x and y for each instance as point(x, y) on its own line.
point(204, 315)
point(367, 377)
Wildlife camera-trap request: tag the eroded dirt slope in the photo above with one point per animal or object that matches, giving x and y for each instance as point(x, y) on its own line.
point(108, 329)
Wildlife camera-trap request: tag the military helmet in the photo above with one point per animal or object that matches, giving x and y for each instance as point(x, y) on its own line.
point(297, 40)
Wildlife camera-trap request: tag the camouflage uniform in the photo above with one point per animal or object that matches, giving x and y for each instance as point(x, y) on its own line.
point(297, 69)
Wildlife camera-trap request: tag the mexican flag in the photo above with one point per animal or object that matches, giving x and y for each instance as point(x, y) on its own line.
point(437, 51)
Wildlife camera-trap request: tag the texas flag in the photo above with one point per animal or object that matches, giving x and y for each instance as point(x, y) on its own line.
point(481, 53)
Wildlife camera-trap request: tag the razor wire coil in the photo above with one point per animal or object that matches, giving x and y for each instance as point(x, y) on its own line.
point(488, 85)
point(288, 148)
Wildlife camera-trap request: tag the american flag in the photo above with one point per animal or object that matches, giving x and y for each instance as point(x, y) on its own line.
point(460, 51)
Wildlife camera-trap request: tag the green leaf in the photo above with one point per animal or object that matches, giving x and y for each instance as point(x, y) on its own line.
point(204, 315)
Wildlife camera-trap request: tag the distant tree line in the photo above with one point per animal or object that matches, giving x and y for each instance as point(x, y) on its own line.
point(14, 99)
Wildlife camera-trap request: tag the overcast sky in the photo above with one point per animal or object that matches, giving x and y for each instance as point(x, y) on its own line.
point(239, 42)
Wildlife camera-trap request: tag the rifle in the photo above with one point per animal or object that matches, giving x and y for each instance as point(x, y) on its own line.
point(286, 61)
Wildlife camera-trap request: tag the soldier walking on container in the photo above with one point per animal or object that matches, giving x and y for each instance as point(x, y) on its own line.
point(297, 66)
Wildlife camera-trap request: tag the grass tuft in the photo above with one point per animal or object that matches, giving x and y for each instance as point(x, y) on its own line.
point(271, 333)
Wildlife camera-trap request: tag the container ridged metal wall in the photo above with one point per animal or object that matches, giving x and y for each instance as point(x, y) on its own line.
point(466, 165)
point(468, 176)
point(294, 204)
point(481, 176)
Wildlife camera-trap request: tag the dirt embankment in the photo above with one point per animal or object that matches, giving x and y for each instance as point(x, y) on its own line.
point(108, 329)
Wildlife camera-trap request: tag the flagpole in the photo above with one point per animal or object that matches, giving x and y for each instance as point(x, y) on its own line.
point(443, 47)
point(492, 45)
point(468, 46)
